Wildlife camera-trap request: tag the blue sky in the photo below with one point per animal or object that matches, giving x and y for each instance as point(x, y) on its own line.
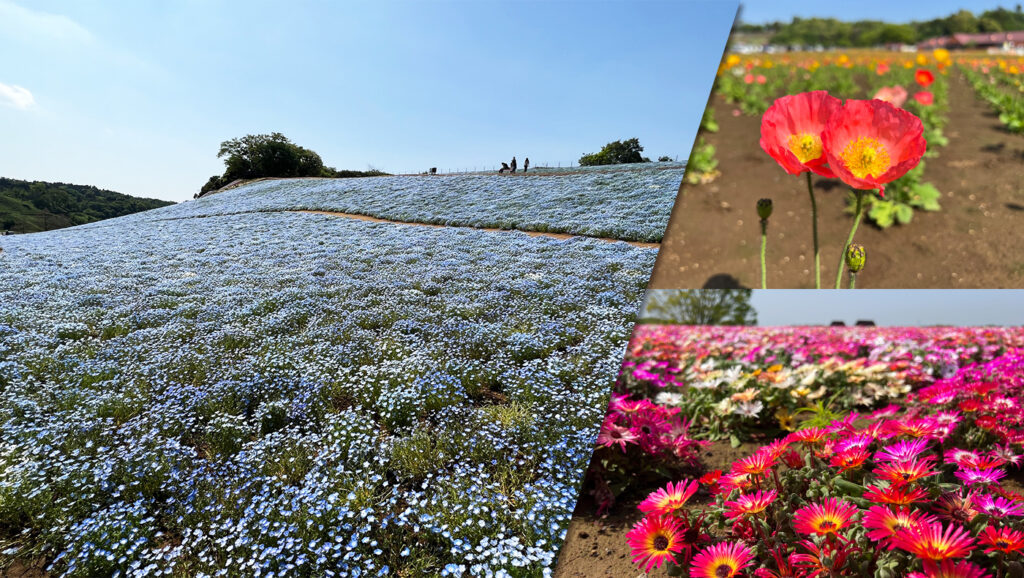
point(137, 96)
point(762, 11)
point(961, 307)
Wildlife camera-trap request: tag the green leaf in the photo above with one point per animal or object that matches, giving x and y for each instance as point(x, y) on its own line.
point(734, 441)
point(882, 213)
point(904, 213)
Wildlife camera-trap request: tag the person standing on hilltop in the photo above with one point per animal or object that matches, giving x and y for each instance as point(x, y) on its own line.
point(512, 165)
point(526, 164)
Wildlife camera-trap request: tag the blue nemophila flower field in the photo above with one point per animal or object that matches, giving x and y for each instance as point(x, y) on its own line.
point(287, 394)
point(632, 205)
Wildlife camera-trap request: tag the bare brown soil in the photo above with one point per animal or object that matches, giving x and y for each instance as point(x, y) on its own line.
point(562, 236)
point(713, 237)
point(596, 546)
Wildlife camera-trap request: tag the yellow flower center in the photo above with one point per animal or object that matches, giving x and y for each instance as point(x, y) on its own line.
point(806, 147)
point(865, 156)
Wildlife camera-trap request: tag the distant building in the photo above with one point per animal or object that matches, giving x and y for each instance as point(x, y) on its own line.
point(1005, 41)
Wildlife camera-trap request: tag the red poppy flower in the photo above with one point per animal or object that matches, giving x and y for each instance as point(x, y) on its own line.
point(870, 143)
point(791, 131)
point(924, 97)
point(924, 77)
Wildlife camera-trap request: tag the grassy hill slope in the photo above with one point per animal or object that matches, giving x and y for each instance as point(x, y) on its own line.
point(29, 207)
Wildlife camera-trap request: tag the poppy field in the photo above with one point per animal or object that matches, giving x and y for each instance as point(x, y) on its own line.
point(293, 394)
point(807, 447)
point(810, 154)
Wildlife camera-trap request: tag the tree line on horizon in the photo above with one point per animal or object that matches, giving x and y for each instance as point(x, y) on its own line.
point(865, 33)
point(34, 206)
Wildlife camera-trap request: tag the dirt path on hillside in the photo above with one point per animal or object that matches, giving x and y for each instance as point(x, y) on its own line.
point(561, 236)
point(713, 236)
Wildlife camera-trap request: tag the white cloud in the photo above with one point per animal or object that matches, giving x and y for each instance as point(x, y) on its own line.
point(16, 96)
point(25, 23)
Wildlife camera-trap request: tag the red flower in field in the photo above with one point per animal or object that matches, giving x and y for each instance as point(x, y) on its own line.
point(791, 131)
point(925, 98)
point(710, 480)
point(849, 459)
point(749, 504)
point(653, 541)
point(669, 499)
point(999, 507)
point(894, 95)
point(972, 476)
point(902, 451)
point(924, 77)
point(957, 507)
point(761, 79)
point(905, 472)
point(893, 494)
point(882, 522)
point(723, 560)
point(918, 428)
point(1004, 539)
point(882, 68)
point(612, 434)
point(748, 78)
point(870, 143)
point(950, 569)
point(828, 559)
point(808, 435)
point(826, 518)
point(756, 464)
point(932, 542)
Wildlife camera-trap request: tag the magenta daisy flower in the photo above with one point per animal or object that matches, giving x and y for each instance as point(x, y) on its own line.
point(998, 507)
point(670, 498)
point(749, 504)
point(723, 560)
point(902, 451)
point(653, 541)
point(827, 517)
point(973, 476)
point(882, 522)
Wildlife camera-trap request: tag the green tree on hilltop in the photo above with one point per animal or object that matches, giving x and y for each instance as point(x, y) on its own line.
point(614, 153)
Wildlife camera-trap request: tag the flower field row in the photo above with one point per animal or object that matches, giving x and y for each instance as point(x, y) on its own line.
point(925, 487)
point(631, 205)
point(683, 386)
point(1000, 83)
point(278, 394)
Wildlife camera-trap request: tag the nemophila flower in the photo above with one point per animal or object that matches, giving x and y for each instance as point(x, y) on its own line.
point(998, 507)
point(722, 560)
point(950, 569)
point(654, 541)
point(924, 77)
point(882, 522)
point(827, 517)
point(669, 499)
point(791, 131)
point(973, 477)
point(870, 143)
point(749, 504)
point(1005, 539)
point(905, 472)
point(895, 494)
point(935, 542)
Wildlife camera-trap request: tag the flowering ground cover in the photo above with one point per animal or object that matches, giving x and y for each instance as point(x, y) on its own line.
point(921, 426)
point(1000, 82)
point(286, 394)
point(631, 205)
point(930, 220)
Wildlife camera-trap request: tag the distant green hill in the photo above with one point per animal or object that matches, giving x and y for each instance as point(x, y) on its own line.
point(32, 206)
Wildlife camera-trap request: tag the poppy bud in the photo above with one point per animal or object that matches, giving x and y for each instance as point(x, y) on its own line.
point(855, 257)
point(764, 208)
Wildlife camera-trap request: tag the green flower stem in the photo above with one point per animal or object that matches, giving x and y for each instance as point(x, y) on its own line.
point(764, 248)
point(853, 280)
point(849, 239)
point(814, 227)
